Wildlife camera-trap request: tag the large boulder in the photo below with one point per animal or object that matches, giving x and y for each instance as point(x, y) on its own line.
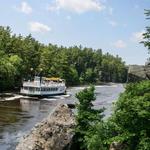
point(53, 133)
point(137, 73)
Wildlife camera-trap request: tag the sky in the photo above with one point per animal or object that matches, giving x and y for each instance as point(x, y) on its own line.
point(115, 26)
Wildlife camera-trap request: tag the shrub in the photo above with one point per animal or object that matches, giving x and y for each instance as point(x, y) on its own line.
point(87, 117)
point(131, 117)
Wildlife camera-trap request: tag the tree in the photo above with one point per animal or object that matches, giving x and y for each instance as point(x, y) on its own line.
point(5, 37)
point(113, 69)
point(146, 35)
point(131, 117)
point(7, 72)
point(87, 117)
point(75, 64)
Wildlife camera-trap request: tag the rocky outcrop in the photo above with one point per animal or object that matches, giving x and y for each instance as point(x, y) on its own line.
point(117, 146)
point(53, 133)
point(137, 73)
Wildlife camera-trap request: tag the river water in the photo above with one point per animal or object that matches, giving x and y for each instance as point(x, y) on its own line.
point(17, 117)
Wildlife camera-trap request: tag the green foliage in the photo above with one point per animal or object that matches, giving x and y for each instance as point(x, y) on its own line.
point(132, 116)
point(112, 69)
point(75, 64)
point(96, 138)
point(129, 124)
point(146, 35)
point(89, 76)
point(7, 72)
point(87, 119)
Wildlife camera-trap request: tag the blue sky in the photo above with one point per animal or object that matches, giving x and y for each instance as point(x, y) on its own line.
point(115, 26)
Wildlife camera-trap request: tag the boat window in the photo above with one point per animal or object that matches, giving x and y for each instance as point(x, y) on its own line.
point(31, 88)
point(55, 89)
point(48, 89)
point(25, 88)
point(37, 89)
point(44, 89)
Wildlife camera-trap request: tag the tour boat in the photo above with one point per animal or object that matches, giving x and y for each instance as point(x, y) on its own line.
point(43, 87)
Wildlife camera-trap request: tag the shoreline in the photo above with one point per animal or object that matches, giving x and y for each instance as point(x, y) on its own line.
point(17, 90)
point(30, 112)
point(14, 95)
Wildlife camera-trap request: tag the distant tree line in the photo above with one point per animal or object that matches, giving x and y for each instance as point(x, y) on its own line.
point(21, 57)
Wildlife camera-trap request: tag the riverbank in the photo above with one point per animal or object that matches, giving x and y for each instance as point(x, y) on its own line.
point(22, 114)
point(17, 90)
point(13, 95)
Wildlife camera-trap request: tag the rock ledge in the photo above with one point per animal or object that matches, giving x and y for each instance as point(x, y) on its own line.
point(53, 133)
point(138, 73)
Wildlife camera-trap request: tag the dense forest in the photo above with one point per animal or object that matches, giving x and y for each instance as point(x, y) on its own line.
point(23, 57)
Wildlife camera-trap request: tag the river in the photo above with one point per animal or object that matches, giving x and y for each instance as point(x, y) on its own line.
point(17, 117)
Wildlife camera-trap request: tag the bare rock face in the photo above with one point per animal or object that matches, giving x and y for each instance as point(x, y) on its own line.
point(117, 146)
point(137, 73)
point(53, 133)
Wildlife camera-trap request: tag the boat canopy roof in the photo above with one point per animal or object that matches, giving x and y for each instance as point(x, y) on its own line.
point(53, 79)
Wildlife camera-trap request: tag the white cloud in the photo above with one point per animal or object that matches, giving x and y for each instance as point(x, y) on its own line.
point(38, 27)
point(137, 36)
point(119, 44)
point(53, 7)
point(25, 8)
point(113, 23)
point(78, 6)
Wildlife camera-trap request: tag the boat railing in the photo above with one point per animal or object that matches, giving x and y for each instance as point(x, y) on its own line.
point(29, 83)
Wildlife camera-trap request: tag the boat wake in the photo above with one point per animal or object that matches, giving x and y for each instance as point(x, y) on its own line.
point(57, 97)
